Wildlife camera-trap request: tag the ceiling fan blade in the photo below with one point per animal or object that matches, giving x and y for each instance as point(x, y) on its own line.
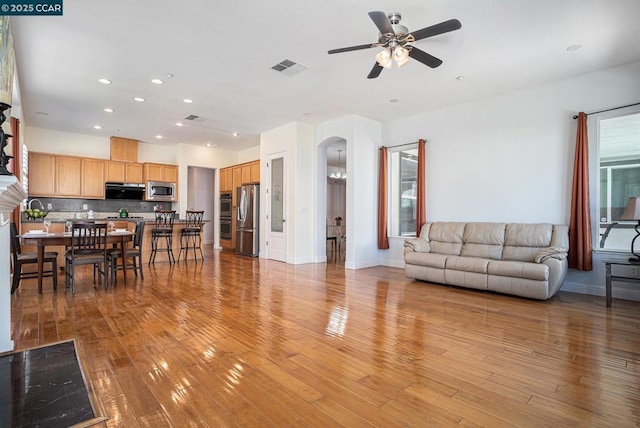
point(434, 30)
point(375, 71)
point(352, 48)
point(382, 22)
point(424, 57)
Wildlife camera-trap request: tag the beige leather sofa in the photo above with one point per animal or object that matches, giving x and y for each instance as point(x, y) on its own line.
point(528, 260)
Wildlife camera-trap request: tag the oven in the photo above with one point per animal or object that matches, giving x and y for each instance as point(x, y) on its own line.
point(225, 228)
point(226, 208)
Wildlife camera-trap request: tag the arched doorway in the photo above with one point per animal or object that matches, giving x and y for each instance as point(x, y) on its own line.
point(332, 197)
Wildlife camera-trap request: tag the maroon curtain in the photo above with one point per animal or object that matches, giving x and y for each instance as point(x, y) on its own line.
point(383, 239)
point(421, 201)
point(580, 249)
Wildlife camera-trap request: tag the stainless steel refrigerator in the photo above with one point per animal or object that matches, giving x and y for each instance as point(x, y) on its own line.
point(247, 219)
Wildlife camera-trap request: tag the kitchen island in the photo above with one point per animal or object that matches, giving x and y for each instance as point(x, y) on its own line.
point(129, 223)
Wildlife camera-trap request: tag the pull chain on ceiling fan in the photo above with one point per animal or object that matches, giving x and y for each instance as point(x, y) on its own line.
point(397, 42)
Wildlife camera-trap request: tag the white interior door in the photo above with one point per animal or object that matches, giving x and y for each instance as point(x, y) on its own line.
point(277, 238)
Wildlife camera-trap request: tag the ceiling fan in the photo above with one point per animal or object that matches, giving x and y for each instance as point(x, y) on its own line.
point(396, 41)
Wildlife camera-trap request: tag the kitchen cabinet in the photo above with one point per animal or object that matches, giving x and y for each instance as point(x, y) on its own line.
point(160, 172)
point(68, 176)
point(246, 173)
point(251, 172)
point(226, 183)
point(255, 171)
point(41, 175)
point(124, 149)
point(124, 172)
point(92, 178)
point(79, 177)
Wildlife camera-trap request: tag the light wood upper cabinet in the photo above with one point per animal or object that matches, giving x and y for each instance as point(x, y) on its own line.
point(236, 180)
point(114, 172)
point(68, 176)
point(42, 174)
point(246, 173)
point(134, 173)
point(226, 183)
point(124, 149)
point(124, 172)
point(161, 172)
point(255, 171)
point(92, 178)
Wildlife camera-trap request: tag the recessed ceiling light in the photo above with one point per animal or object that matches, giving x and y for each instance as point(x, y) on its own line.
point(157, 81)
point(187, 100)
point(209, 144)
point(139, 99)
point(460, 78)
point(159, 137)
point(97, 127)
point(306, 114)
point(108, 110)
point(179, 124)
point(104, 81)
point(394, 100)
point(169, 75)
point(235, 134)
point(574, 47)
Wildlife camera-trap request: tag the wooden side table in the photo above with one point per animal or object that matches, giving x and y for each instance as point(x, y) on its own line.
point(607, 264)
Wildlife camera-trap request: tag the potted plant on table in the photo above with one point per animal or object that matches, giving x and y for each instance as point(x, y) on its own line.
point(338, 221)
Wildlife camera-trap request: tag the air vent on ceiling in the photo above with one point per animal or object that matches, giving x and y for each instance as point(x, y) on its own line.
point(289, 68)
point(195, 118)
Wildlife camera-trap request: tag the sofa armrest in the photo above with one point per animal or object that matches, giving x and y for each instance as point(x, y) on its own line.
point(419, 245)
point(559, 253)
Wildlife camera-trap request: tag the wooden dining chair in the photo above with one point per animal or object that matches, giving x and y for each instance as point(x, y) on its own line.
point(134, 253)
point(20, 259)
point(162, 230)
point(88, 247)
point(190, 238)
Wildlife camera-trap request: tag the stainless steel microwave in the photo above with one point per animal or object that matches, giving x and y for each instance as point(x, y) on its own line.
point(161, 191)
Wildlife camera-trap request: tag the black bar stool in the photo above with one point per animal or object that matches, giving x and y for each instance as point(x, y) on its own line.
point(162, 229)
point(190, 235)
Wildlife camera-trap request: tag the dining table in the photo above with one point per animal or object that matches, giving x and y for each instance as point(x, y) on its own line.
point(41, 240)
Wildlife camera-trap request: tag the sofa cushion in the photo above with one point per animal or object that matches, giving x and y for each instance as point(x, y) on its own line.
point(539, 272)
point(426, 259)
point(483, 240)
point(467, 264)
point(424, 231)
point(446, 237)
point(523, 241)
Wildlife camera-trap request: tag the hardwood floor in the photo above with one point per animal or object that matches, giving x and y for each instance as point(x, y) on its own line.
point(236, 341)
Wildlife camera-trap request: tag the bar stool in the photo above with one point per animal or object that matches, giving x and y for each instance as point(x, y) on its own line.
point(190, 235)
point(162, 229)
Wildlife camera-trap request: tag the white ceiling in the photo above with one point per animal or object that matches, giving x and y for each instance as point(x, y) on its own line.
point(221, 54)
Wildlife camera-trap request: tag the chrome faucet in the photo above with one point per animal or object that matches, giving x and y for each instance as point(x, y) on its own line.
point(34, 199)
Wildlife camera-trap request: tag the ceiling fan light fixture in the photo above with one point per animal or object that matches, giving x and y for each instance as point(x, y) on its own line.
point(384, 58)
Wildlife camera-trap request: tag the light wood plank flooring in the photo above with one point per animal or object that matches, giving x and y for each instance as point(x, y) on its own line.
point(236, 341)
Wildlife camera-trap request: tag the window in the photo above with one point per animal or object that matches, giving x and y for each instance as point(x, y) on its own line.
point(618, 145)
point(402, 185)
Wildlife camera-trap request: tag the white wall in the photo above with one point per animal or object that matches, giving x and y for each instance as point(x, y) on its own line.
point(363, 137)
point(510, 158)
point(66, 143)
point(201, 196)
point(295, 142)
